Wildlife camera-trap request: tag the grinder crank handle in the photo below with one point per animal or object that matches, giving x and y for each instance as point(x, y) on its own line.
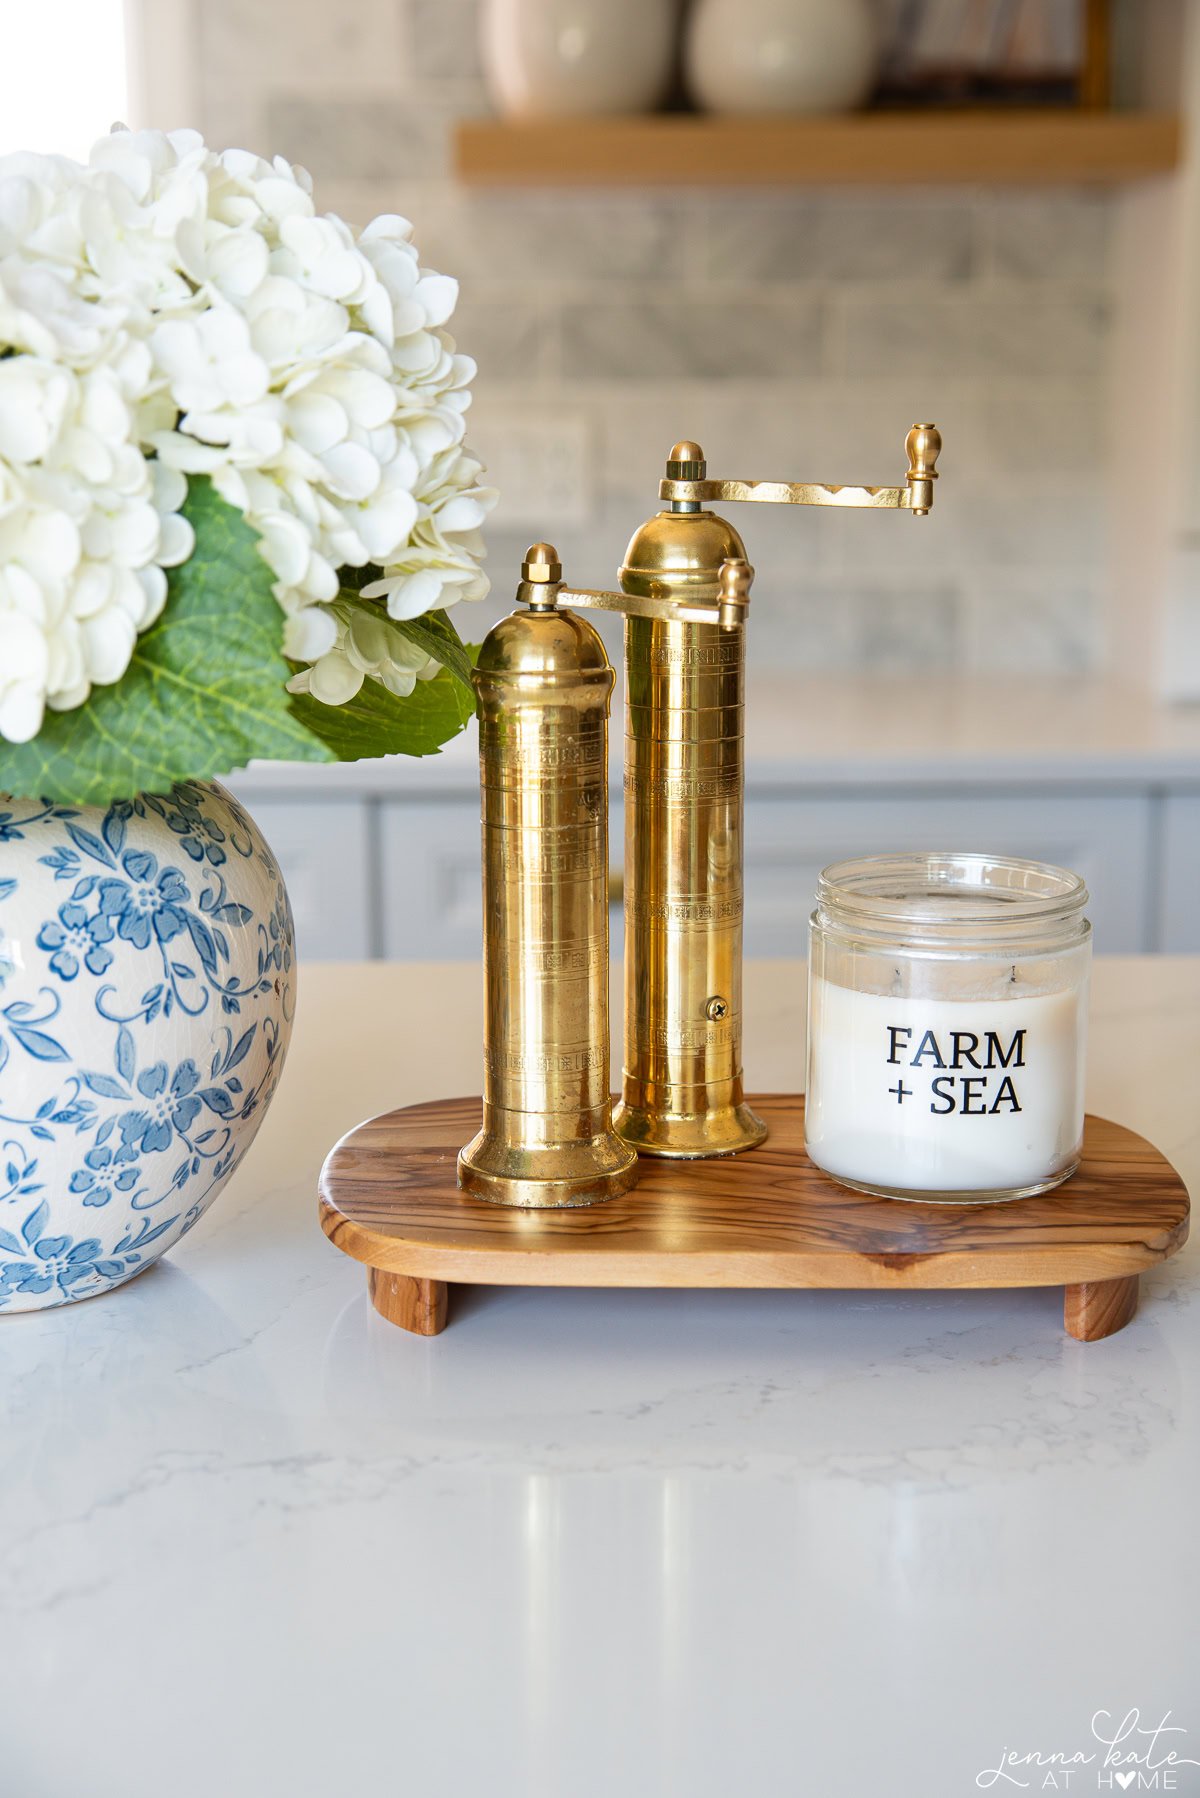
point(687, 483)
point(729, 611)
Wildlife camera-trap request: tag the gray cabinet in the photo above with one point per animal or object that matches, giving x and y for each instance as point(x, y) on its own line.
point(374, 873)
point(789, 841)
point(1179, 899)
point(432, 906)
point(323, 847)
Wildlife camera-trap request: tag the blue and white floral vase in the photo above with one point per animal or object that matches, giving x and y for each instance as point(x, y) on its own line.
point(147, 987)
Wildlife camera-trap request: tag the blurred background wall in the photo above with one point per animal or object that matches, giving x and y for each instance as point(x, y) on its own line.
point(1003, 677)
point(797, 334)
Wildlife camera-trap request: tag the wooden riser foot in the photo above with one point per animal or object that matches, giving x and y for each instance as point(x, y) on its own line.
point(1099, 1307)
point(416, 1305)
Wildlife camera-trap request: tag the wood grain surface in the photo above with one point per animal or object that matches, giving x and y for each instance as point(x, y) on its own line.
point(1099, 1308)
point(1034, 145)
point(389, 1197)
point(416, 1305)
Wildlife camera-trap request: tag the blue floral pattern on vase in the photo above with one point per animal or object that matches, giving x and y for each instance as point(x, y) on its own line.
point(147, 985)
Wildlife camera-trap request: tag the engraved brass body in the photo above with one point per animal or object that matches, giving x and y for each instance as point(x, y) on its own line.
point(685, 586)
point(544, 683)
point(684, 737)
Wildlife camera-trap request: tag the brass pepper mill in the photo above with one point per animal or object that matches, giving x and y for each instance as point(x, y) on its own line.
point(684, 744)
point(685, 586)
point(544, 683)
point(684, 790)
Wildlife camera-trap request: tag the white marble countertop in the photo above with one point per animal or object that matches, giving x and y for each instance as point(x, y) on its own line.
point(255, 1541)
point(847, 730)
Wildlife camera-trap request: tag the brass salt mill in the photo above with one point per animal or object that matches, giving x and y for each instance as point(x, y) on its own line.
point(543, 683)
point(684, 591)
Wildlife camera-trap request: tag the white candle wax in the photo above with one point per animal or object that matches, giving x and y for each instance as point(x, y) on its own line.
point(953, 1094)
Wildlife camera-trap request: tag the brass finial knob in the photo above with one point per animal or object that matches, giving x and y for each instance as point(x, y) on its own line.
point(734, 591)
point(686, 462)
point(541, 578)
point(541, 564)
point(923, 446)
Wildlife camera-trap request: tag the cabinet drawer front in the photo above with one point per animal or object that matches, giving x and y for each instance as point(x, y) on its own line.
point(431, 903)
point(789, 841)
point(1179, 916)
point(428, 905)
point(322, 847)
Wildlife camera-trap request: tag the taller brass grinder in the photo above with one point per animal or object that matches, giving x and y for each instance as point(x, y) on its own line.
point(544, 682)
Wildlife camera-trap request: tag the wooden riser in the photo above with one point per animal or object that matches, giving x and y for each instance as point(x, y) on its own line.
point(389, 1197)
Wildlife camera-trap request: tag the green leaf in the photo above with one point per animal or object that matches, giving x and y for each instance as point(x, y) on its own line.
point(355, 578)
point(434, 633)
point(204, 692)
point(376, 722)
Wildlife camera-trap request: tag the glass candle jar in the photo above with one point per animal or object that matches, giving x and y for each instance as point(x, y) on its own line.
point(947, 1017)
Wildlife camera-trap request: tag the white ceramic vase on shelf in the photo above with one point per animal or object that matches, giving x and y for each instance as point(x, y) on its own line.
point(781, 56)
point(555, 58)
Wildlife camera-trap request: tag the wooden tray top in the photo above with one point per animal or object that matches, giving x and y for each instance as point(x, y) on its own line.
point(389, 1197)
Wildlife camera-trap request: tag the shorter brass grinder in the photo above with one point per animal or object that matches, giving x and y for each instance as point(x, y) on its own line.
point(544, 684)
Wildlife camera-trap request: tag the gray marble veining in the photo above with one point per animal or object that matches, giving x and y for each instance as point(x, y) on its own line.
point(255, 1540)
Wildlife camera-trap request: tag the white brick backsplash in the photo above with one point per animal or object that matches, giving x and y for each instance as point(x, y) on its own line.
point(553, 239)
point(847, 238)
point(787, 545)
point(977, 530)
point(1046, 428)
point(441, 40)
point(831, 626)
point(904, 631)
point(807, 628)
point(749, 432)
point(357, 139)
point(692, 337)
point(1031, 622)
point(510, 338)
point(540, 458)
point(591, 553)
point(1065, 237)
point(1180, 651)
point(1017, 334)
point(303, 48)
point(796, 334)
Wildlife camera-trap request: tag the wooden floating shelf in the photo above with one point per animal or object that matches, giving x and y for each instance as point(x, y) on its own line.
point(1027, 147)
point(389, 1197)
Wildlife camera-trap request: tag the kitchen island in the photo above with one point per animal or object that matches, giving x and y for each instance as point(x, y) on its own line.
point(254, 1540)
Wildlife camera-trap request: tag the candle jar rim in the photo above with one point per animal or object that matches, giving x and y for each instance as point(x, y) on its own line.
point(1000, 897)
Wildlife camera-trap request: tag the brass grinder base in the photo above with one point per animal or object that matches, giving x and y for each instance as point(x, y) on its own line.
point(690, 1137)
point(568, 1174)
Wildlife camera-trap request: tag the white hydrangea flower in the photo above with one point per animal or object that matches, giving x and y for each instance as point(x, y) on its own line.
point(87, 526)
point(166, 311)
point(364, 647)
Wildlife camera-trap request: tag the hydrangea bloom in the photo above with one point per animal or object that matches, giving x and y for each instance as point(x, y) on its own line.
point(167, 311)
